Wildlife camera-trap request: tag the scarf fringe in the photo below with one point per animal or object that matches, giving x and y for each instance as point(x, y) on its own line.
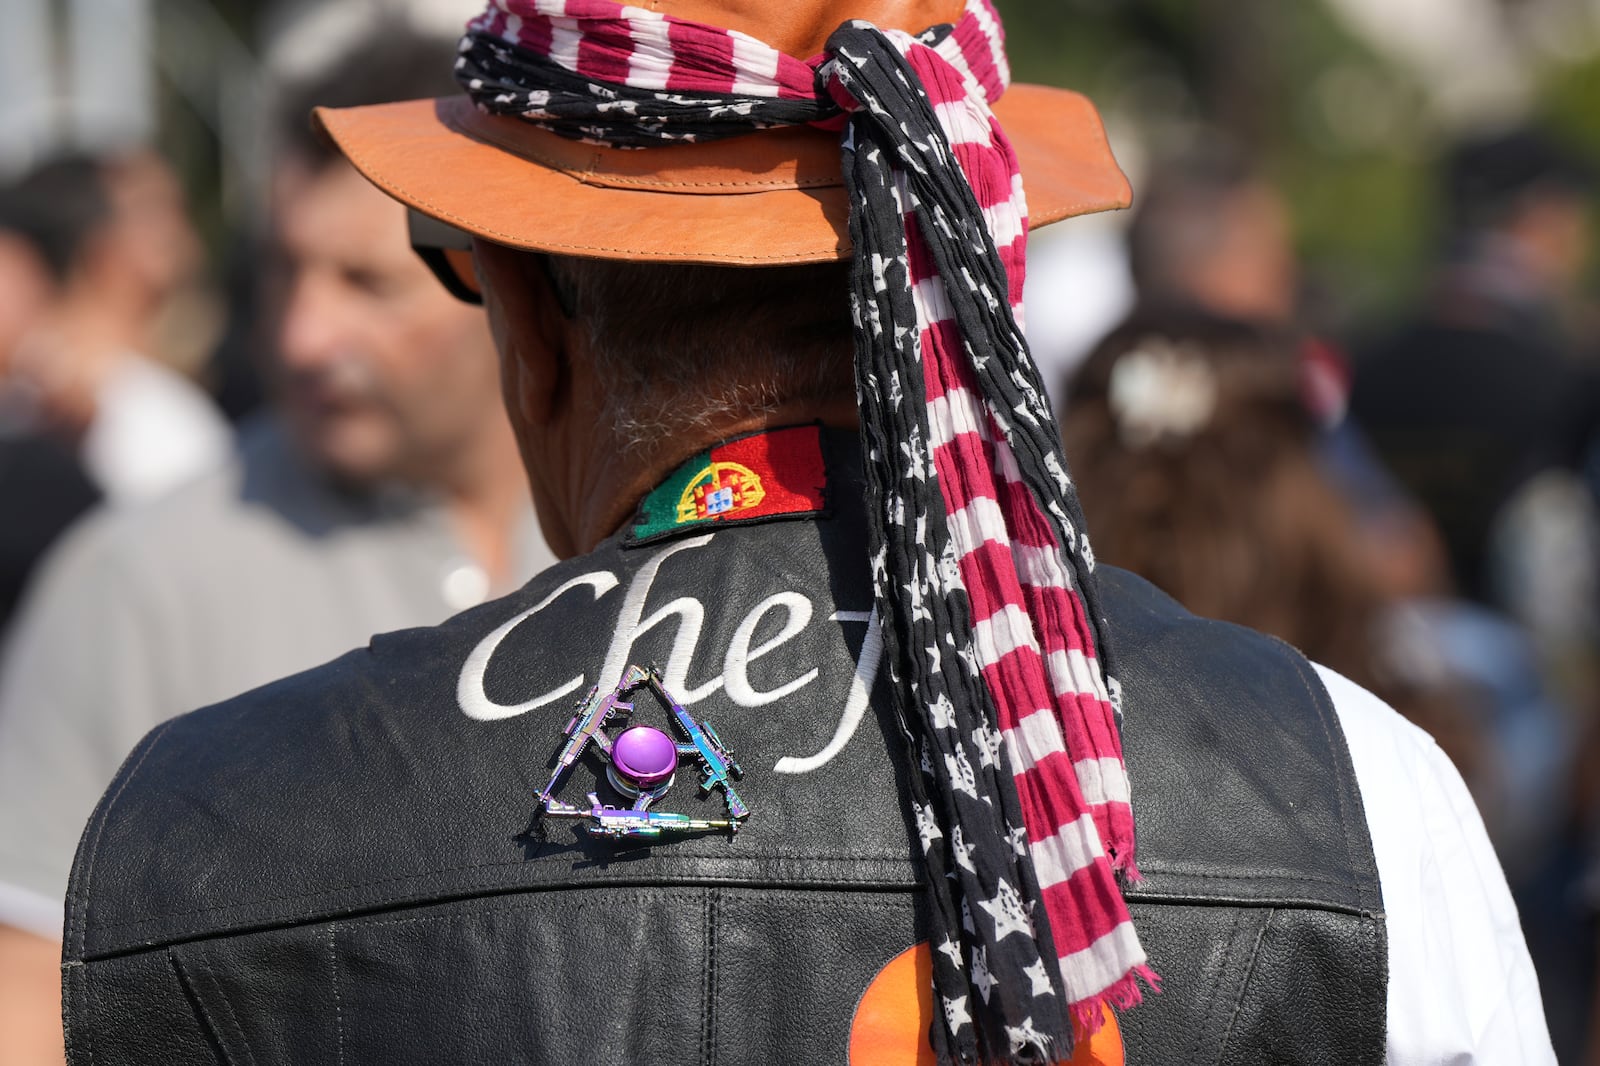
point(1089, 1015)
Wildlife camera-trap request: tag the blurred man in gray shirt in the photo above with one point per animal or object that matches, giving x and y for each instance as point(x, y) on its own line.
point(387, 493)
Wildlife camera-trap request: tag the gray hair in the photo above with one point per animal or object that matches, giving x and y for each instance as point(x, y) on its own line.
point(691, 346)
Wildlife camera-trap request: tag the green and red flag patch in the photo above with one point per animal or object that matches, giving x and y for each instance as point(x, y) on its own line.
point(748, 479)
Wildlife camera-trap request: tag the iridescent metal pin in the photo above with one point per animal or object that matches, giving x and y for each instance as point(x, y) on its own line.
point(642, 762)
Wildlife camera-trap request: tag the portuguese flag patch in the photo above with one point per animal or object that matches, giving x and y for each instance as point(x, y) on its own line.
point(748, 479)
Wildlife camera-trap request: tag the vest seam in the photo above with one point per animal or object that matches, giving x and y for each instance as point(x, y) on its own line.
point(206, 952)
point(202, 1018)
point(479, 889)
point(338, 1006)
point(863, 889)
point(1227, 960)
point(1302, 877)
point(1244, 987)
point(1319, 698)
point(1272, 903)
point(78, 926)
point(708, 980)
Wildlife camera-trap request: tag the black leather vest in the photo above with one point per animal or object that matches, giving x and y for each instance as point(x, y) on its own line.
point(337, 867)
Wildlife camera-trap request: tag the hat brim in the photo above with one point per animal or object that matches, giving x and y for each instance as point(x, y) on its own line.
point(767, 198)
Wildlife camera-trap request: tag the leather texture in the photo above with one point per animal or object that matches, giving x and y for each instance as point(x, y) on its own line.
point(764, 198)
point(335, 868)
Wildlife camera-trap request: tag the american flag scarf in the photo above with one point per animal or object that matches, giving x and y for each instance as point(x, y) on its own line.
point(982, 571)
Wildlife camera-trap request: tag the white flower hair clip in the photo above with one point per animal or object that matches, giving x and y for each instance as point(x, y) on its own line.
point(1161, 390)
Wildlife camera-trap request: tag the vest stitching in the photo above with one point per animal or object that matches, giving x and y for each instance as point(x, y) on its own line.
point(700, 878)
point(1244, 986)
point(1227, 961)
point(79, 929)
point(73, 973)
point(338, 1007)
point(1319, 697)
point(636, 895)
point(227, 1004)
point(202, 1017)
point(88, 1001)
point(1177, 870)
point(708, 978)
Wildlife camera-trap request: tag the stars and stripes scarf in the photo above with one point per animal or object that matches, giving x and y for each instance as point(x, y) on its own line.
point(982, 571)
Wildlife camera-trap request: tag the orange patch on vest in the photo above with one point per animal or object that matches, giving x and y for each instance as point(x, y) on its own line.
point(891, 1023)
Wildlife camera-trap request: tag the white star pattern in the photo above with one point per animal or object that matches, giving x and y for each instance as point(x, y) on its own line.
point(952, 951)
point(1061, 516)
point(982, 979)
point(933, 658)
point(969, 657)
point(949, 568)
point(1024, 386)
point(1018, 838)
point(942, 713)
point(1024, 1035)
point(956, 1013)
point(987, 740)
point(962, 779)
point(962, 850)
point(919, 610)
point(1057, 471)
point(1006, 910)
point(1039, 977)
point(916, 457)
point(927, 826)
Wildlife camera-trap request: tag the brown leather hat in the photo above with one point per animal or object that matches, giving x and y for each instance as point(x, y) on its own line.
point(771, 197)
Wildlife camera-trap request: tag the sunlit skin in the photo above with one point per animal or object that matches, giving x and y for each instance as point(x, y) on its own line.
point(1553, 233)
point(1250, 271)
point(25, 289)
point(151, 225)
point(30, 1000)
point(585, 485)
point(120, 279)
point(382, 373)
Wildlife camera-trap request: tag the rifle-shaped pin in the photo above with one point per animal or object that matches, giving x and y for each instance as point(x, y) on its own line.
point(717, 763)
point(620, 824)
point(594, 714)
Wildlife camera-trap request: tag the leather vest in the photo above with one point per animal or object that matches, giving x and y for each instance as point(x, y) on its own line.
point(339, 867)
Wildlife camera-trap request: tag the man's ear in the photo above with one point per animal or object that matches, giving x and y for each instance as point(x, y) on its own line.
point(530, 330)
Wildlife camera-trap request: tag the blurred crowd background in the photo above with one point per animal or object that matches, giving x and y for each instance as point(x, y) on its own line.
point(1337, 377)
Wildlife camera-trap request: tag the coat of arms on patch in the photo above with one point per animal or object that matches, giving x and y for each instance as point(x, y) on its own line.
point(721, 488)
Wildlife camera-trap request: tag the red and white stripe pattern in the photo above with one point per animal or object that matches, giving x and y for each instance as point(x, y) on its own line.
point(625, 45)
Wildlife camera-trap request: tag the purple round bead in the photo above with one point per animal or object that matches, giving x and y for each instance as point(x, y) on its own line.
point(644, 755)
